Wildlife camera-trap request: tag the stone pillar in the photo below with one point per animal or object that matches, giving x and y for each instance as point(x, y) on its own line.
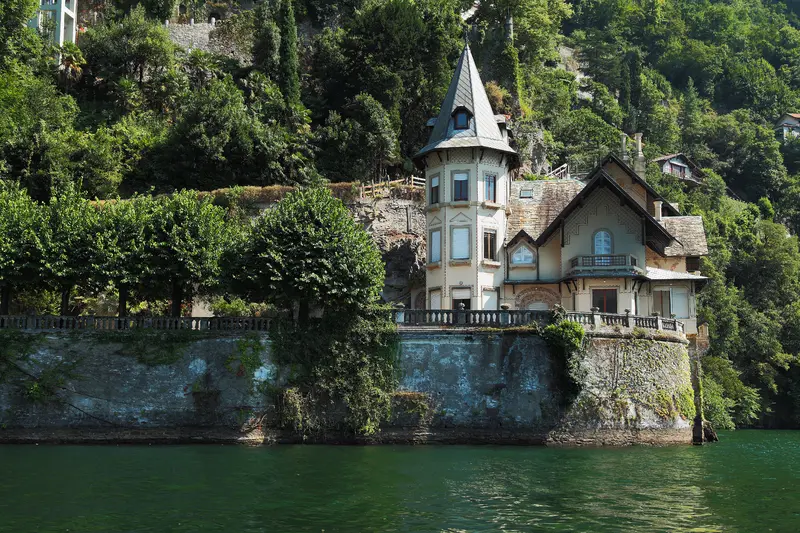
point(624, 147)
point(639, 163)
point(628, 319)
point(505, 316)
point(659, 321)
point(400, 313)
point(596, 320)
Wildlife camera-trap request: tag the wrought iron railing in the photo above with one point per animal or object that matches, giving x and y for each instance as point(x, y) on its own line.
point(127, 323)
point(605, 260)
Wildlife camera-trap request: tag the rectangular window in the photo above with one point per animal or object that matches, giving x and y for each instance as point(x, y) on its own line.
point(680, 302)
point(490, 245)
point(662, 303)
point(692, 263)
point(435, 190)
point(526, 193)
point(436, 300)
point(461, 296)
point(460, 187)
point(490, 188)
point(436, 246)
point(460, 247)
point(605, 300)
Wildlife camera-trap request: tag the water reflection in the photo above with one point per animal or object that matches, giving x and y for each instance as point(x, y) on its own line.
point(749, 482)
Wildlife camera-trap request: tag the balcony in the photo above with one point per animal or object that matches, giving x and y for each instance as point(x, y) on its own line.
point(611, 262)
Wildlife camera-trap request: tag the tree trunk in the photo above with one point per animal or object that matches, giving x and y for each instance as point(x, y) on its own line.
point(122, 311)
point(177, 298)
point(65, 301)
point(5, 299)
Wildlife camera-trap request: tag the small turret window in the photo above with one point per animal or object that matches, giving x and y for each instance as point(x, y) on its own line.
point(461, 120)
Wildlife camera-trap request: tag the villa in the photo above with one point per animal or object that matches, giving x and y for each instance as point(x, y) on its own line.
point(607, 241)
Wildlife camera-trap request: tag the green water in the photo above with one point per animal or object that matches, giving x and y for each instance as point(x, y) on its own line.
point(750, 482)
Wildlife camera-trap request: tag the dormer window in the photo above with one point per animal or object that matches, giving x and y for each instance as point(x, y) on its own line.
point(461, 120)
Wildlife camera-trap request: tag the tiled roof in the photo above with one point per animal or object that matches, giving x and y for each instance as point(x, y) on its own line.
point(534, 214)
point(466, 91)
point(660, 274)
point(690, 236)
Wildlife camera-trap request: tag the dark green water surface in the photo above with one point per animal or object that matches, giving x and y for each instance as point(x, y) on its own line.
point(749, 482)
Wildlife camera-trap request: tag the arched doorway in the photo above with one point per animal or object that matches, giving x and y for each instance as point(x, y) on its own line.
point(537, 299)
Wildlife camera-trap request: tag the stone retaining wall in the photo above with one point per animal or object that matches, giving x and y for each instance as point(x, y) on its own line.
point(456, 387)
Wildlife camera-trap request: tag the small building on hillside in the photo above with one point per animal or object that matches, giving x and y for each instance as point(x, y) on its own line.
point(788, 126)
point(681, 166)
point(606, 241)
point(57, 17)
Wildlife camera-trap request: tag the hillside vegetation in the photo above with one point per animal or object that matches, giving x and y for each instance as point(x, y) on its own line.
point(347, 98)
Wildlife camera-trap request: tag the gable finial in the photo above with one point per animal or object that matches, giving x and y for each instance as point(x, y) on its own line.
point(466, 37)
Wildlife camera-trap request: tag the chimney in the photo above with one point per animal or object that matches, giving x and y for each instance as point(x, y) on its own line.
point(639, 164)
point(657, 210)
point(624, 142)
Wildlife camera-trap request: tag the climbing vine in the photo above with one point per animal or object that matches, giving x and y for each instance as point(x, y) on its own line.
point(343, 370)
point(565, 339)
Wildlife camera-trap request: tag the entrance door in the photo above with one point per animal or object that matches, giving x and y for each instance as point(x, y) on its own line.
point(605, 300)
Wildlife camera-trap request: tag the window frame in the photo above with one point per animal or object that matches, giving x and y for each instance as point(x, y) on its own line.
point(519, 248)
point(453, 242)
point(610, 241)
point(437, 189)
point(431, 247)
point(606, 290)
point(490, 178)
point(453, 181)
point(461, 113)
point(493, 248)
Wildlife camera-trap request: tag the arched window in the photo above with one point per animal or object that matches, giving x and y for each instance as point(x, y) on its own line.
point(522, 256)
point(602, 243)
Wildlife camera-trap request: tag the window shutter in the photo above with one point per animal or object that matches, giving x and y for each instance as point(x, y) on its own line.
point(462, 294)
point(436, 246)
point(680, 302)
point(460, 246)
point(436, 300)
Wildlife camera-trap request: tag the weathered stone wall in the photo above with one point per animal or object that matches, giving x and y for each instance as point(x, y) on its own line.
point(455, 387)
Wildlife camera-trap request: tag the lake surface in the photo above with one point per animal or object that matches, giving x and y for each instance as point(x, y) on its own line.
point(749, 482)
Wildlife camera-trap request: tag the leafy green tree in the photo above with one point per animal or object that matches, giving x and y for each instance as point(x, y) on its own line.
point(14, 17)
point(267, 38)
point(159, 9)
point(289, 79)
point(21, 241)
point(72, 256)
point(308, 251)
point(359, 145)
point(184, 242)
point(133, 48)
point(123, 240)
point(582, 138)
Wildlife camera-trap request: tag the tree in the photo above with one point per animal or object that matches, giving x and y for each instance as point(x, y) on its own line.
point(71, 252)
point(124, 242)
point(134, 48)
point(267, 39)
point(21, 241)
point(308, 251)
point(14, 17)
point(184, 242)
point(360, 144)
point(289, 79)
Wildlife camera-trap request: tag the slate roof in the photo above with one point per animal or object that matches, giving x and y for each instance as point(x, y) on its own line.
point(690, 236)
point(660, 274)
point(466, 91)
point(534, 214)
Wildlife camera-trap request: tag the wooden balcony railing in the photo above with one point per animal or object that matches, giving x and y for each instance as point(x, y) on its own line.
point(595, 261)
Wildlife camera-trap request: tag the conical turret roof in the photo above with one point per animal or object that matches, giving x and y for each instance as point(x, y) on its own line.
point(466, 92)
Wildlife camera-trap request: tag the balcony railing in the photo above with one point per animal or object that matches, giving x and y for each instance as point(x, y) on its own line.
point(595, 261)
point(436, 318)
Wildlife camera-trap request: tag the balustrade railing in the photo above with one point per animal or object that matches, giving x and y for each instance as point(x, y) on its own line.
point(403, 317)
point(128, 323)
point(592, 261)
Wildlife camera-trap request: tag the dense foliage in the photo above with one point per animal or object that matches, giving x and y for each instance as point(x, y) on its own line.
point(346, 98)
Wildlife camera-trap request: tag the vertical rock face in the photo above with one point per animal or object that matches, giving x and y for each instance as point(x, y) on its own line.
point(398, 228)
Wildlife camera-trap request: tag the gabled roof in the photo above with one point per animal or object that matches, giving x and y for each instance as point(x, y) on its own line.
point(636, 179)
point(657, 237)
point(533, 214)
point(780, 122)
point(691, 164)
point(690, 236)
point(466, 92)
